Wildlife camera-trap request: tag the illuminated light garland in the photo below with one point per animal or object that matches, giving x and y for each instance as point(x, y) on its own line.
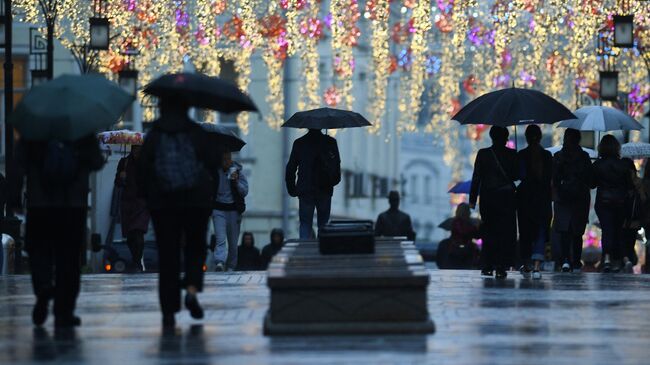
point(311, 33)
point(381, 62)
point(422, 25)
point(345, 33)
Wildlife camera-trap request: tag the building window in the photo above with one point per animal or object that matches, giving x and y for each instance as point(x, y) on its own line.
point(414, 189)
point(428, 199)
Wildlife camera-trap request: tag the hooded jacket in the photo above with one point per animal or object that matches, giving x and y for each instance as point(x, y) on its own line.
point(272, 249)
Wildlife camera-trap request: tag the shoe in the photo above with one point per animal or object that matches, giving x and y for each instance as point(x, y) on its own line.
point(525, 271)
point(486, 273)
point(501, 274)
point(566, 267)
point(219, 267)
point(168, 321)
point(192, 304)
point(39, 313)
point(67, 322)
point(537, 275)
point(607, 268)
point(628, 268)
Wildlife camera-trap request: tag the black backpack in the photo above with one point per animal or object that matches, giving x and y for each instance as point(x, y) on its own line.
point(61, 163)
point(327, 168)
point(176, 165)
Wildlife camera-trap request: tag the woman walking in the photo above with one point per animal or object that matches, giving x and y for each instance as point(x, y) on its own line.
point(534, 202)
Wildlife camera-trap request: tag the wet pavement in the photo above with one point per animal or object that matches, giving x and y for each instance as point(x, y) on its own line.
point(562, 319)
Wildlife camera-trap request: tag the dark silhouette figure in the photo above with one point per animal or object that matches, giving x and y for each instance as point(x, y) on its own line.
point(57, 204)
point(394, 222)
point(613, 181)
point(459, 251)
point(133, 207)
point(270, 250)
point(645, 217)
point(175, 174)
point(248, 256)
point(315, 157)
point(572, 174)
point(534, 208)
point(495, 171)
point(634, 206)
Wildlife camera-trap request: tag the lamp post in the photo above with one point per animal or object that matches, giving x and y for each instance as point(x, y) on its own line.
point(99, 27)
point(37, 53)
point(7, 43)
point(608, 74)
point(128, 76)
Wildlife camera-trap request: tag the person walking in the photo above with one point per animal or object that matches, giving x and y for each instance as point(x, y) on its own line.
point(229, 205)
point(134, 216)
point(634, 210)
point(270, 250)
point(572, 174)
point(57, 204)
point(248, 256)
point(534, 208)
point(175, 173)
point(495, 170)
point(613, 181)
point(394, 222)
point(315, 157)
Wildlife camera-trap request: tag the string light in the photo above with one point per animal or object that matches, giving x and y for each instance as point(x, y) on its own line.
point(378, 13)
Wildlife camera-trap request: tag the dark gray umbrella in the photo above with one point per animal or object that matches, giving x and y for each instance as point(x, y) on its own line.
point(326, 118)
point(201, 91)
point(224, 136)
point(449, 222)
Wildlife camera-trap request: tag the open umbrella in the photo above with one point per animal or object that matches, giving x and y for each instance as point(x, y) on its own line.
point(602, 119)
point(448, 223)
point(635, 150)
point(224, 136)
point(462, 187)
point(513, 106)
point(326, 118)
point(201, 91)
point(70, 107)
point(555, 149)
point(123, 137)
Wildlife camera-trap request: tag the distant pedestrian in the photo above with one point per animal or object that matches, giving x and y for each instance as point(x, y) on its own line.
point(175, 172)
point(394, 222)
point(633, 218)
point(645, 218)
point(315, 157)
point(534, 208)
point(133, 207)
point(495, 171)
point(248, 256)
point(232, 188)
point(613, 181)
point(270, 250)
point(572, 174)
point(57, 205)
point(459, 251)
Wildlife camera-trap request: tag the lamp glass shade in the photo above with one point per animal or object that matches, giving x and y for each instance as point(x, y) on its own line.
point(3, 24)
point(39, 77)
point(624, 31)
point(99, 33)
point(128, 81)
point(608, 85)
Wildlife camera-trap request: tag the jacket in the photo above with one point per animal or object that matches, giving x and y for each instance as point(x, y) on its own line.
point(304, 153)
point(238, 190)
point(394, 223)
point(271, 249)
point(571, 215)
point(488, 177)
point(613, 179)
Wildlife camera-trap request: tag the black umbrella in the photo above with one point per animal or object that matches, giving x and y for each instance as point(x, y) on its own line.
point(326, 118)
point(201, 91)
point(224, 136)
point(449, 222)
point(513, 106)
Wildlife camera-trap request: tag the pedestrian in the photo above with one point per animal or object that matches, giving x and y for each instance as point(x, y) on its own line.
point(613, 181)
point(495, 171)
point(534, 209)
point(572, 174)
point(248, 256)
point(634, 210)
point(229, 205)
point(134, 216)
point(57, 190)
point(315, 157)
point(270, 250)
point(645, 217)
point(462, 252)
point(394, 222)
point(175, 172)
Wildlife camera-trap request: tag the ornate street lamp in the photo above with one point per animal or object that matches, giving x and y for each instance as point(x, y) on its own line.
point(99, 27)
point(624, 31)
point(608, 74)
point(128, 76)
point(609, 85)
point(38, 49)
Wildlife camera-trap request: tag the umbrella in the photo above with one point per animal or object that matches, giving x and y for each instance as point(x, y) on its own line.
point(70, 107)
point(124, 136)
point(201, 91)
point(555, 149)
point(326, 118)
point(447, 223)
point(601, 118)
point(635, 150)
point(513, 106)
point(462, 187)
point(224, 136)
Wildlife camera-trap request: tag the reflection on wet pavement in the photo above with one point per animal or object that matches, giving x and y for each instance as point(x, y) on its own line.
point(562, 319)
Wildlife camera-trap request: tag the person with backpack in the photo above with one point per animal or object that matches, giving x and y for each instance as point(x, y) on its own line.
point(315, 157)
point(572, 174)
point(176, 175)
point(56, 194)
point(229, 205)
point(394, 222)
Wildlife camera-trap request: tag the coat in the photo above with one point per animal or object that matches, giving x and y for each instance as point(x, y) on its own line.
point(571, 215)
point(134, 215)
point(488, 177)
point(271, 249)
point(248, 258)
point(613, 180)
point(394, 223)
point(534, 207)
point(304, 153)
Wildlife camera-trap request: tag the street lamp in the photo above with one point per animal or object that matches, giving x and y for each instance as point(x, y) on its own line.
point(624, 31)
point(99, 27)
point(128, 76)
point(609, 85)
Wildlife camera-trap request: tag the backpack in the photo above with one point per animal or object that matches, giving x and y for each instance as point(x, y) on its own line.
point(327, 168)
point(176, 165)
point(61, 163)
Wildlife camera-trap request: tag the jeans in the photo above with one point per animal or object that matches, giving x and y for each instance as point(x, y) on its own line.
point(226, 230)
point(307, 204)
point(539, 245)
point(611, 219)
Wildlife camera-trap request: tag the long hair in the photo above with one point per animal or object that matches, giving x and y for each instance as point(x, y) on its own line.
point(533, 138)
point(609, 147)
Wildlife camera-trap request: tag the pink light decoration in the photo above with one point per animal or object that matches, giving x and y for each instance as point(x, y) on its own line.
point(332, 97)
point(511, 144)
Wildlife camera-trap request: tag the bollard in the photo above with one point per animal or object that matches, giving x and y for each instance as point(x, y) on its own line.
point(8, 253)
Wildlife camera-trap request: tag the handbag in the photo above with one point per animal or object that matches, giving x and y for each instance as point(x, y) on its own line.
point(510, 185)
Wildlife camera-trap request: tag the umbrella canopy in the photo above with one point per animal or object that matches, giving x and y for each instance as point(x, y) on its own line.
point(513, 106)
point(555, 149)
point(601, 118)
point(201, 91)
point(635, 150)
point(448, 223)
point(124, 136)
point(326, 118)
point(224, 136)
point(462, 187)
point(70, 107)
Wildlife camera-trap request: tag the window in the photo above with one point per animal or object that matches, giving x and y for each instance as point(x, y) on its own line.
point(414, 189)
point(428, 199)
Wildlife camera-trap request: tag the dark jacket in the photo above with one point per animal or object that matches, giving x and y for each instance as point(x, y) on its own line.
point(133, 208)
point(271, 249)
point(571, 213)
point(394, 223)
point(248, 258)
point(200, 196)
point(612, 179)
point(488, 177)
point(534, 206)
point(304, 153)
